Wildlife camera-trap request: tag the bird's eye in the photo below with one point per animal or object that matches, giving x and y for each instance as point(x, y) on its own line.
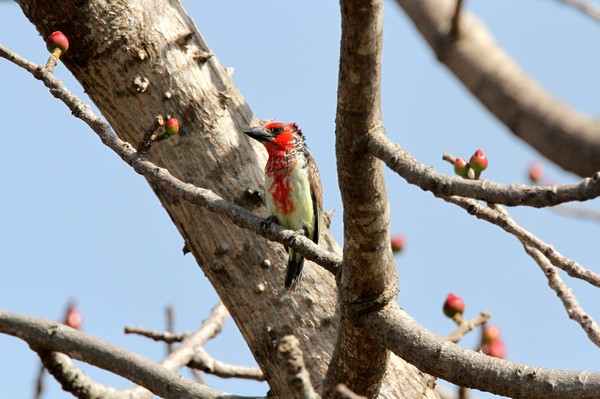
point(277, 130)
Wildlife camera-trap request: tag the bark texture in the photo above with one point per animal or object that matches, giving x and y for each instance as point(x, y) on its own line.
point(140, 59)
point(558, 132)
point(368, 277)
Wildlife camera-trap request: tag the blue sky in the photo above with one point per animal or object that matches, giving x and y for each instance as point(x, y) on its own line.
point(76, 222)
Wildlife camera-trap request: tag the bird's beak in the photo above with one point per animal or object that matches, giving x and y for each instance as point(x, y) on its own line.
point(259, 133)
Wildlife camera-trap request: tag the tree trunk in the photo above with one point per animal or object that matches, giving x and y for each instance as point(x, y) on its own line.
point(140, 59)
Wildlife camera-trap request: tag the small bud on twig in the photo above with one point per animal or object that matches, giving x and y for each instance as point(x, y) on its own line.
point(453, 305)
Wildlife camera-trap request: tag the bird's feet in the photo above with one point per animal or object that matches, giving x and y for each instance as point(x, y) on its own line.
point(266, 223)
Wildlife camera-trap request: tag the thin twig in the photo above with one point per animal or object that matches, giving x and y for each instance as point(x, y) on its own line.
point(565, 294)
point(502, 220)
point(467, 326)
point(163, 336)
point(298, 377)
point(440, 185)
point(161, 177)
point(205, 362)
point(170, 314)
point(39, 382)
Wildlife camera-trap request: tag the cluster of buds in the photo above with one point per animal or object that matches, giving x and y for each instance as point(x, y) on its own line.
point(491, 343)
point(398, 242)
point(454, 307)
point(472, 169)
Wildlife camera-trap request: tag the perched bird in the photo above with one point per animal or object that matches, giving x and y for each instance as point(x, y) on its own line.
point(292, 187)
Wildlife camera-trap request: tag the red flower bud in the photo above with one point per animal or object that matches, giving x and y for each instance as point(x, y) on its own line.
point(171, 127)
point(461, 167)
point(535, 172)
point(490, 334)
point(478, 162)
point(453, 305)
point(495, 348)
point(73, 317)
point(57, 40)
point(398, 242)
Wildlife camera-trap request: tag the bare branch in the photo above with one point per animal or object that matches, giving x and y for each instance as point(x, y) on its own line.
point(39, 382)
point(170, 316)
point(74, 380)
point(467, 326)
point(210, 327)
point(433, 355)
point(163, 336)
point(440, 185)
point(565, 294)
point(289, 350)
point(584, 7)
point(369, 276)
point(500, 218)
point(161, 177)
point(44, 334)
point(345, 393)
point(558, 132)
point(205, 362)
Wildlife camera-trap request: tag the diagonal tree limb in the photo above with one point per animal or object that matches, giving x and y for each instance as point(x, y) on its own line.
point(199, 196)
point(202, 360)
point(566, 296)
point(501, 219)
point(43, 334)
point(561, 134)
point(425, 177)
point(77, 382)
point(431, 354)
point(72, 379)
point(114, 46)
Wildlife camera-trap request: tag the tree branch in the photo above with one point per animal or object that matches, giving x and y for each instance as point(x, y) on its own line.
point(199, 196)
point(425, 177)
point(467, 326)
point(290, 353)
point(368, 277)
point(504, 221)
point(431, 354)
point(205, 362)
point(558, 132)
point(43, 334)
point(163, 336)
point(74, 380)
point(566, 296)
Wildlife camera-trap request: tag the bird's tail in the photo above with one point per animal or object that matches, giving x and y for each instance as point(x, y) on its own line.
point(293, 271)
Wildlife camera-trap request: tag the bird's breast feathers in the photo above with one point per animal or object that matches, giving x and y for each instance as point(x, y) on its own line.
point(288, 195)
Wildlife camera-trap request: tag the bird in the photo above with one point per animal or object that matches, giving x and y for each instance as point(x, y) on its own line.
point(293, 191)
